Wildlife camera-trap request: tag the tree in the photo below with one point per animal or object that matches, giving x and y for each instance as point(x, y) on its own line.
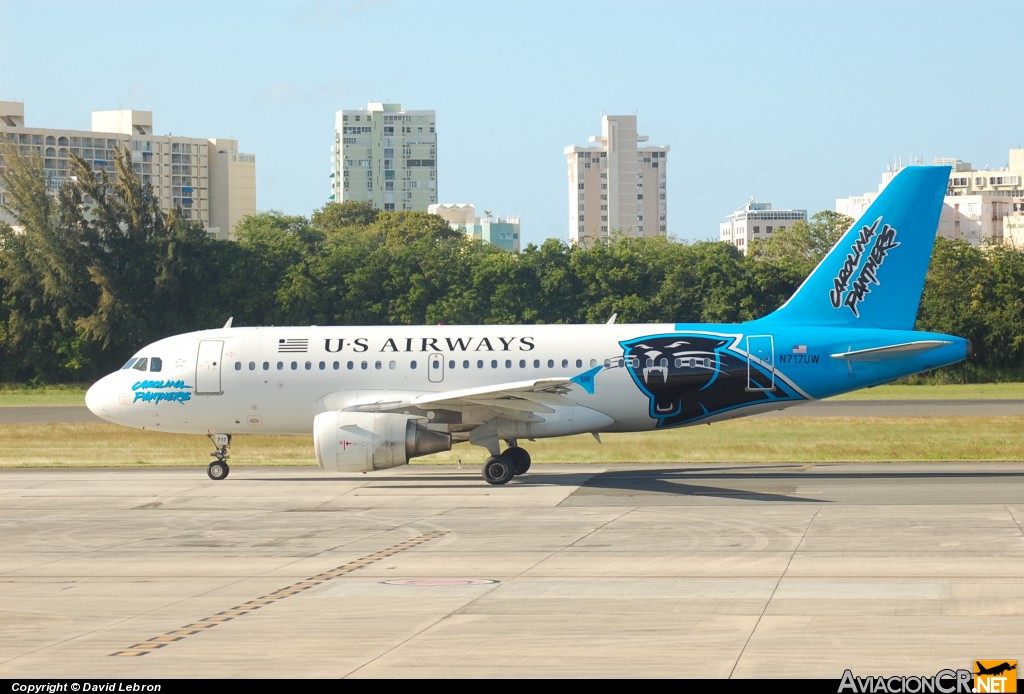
point(337, 216)
point(804, 244)
point(43, 276)
point(277, 246)
point(95, 272)
point(1004, 314)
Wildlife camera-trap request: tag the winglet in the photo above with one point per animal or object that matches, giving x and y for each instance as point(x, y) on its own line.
point(228, 324)
point(586, 379)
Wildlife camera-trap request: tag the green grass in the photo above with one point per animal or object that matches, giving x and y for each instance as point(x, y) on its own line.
point(792, 439)
point(975, 391)
point(42, 396)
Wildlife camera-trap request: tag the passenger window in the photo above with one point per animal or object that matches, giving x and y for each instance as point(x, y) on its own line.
point(551, 363)
point(323, 365)
point(350, 366)
point(465, 364)
point(412, 364)
point(508, 363)
point(479, 363)
point(392, 365)
point(252, 366)
point(141, 364)
point(129, 364)
point(451, 364)
point(295, 365)
point(364, 365)
point(565, 363)
point(266, 366)
point(336, 365)
point(536, 363)
point(156, 364)
point(593, 363)
point(579, 363)
point(494, 363)
point(280, 366)
point(309, 365)
point(238, 366)
point(376, 365)
point(522, 363)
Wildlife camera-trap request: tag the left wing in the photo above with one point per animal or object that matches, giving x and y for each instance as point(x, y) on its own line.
point(520, 400)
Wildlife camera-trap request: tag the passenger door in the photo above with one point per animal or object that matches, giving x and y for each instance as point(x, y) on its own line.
point(208, 364)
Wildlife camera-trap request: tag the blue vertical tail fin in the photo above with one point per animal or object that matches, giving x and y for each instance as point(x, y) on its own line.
point(874, 275)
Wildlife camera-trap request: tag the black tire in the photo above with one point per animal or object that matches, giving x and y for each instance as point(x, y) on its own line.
point(218, 470)
point(498, 469)
point(520, 459)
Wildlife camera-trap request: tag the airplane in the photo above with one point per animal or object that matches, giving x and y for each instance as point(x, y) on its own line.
point(376, 397)
point(994, 670)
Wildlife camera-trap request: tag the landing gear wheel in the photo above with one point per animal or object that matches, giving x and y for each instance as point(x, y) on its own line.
point(520, 459)
point(498, 469)
point(218, 470)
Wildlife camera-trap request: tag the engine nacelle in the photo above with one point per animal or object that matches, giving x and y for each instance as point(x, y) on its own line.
point(364, 441)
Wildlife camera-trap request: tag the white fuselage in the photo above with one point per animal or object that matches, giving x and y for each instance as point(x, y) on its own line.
point(276, 380)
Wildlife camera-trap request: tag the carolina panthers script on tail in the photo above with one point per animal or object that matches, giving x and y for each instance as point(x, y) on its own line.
point(375, 397)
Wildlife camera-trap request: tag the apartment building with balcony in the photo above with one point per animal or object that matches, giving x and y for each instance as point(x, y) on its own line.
point(207, 179)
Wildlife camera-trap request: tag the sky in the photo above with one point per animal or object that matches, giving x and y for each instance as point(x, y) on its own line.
point(790, 102)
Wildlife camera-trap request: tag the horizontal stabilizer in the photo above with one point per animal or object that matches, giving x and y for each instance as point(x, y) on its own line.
point(891, 351)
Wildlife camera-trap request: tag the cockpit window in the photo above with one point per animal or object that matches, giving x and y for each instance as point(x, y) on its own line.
point(129, 364)
point(156, 363)
point(141, 364)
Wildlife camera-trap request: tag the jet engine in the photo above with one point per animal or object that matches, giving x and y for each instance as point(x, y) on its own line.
point(364, 441)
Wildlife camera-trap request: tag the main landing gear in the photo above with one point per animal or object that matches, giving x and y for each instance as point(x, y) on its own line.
point(219, 469)
point(499, 469)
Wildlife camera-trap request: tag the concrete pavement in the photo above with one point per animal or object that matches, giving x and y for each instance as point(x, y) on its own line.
point(708, 571)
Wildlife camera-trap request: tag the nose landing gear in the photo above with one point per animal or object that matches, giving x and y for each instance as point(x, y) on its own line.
point(219, 469)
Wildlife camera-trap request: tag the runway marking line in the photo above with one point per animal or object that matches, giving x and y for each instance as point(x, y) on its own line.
point(248, 607)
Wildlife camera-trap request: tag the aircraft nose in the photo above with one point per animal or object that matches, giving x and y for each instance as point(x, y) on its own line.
point(98, 400)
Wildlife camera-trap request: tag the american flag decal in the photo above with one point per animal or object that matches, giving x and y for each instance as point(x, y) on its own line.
point(293, 345)
point(799, 349)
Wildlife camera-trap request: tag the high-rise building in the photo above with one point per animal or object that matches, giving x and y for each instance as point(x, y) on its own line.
point(756, 220)
point(386, 155)
point(209, 180)
point(617, 186)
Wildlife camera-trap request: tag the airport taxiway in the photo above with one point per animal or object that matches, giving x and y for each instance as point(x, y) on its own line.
point(696, 570)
